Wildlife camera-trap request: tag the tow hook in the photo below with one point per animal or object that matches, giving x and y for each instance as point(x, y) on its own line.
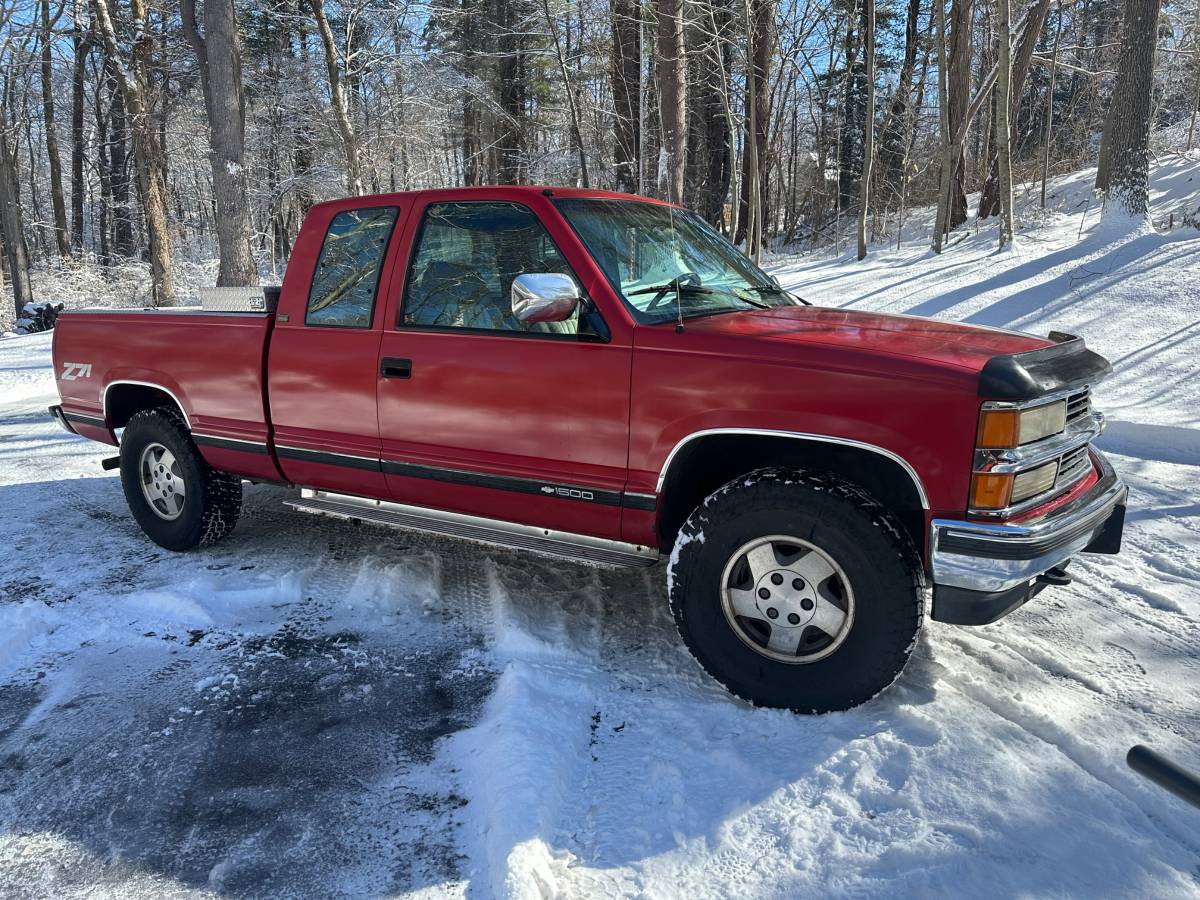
point(113, 462)
point(1057, 576)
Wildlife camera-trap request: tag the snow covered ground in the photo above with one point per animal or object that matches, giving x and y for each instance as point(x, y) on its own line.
point(313, 708)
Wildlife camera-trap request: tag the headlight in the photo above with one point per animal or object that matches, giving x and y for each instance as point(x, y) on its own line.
point(1001, 429)
point(1033, 482)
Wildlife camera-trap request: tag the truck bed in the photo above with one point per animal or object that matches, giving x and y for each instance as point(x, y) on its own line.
point(213, 364)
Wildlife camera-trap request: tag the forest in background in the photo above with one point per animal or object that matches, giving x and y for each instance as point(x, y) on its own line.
point(168, 130)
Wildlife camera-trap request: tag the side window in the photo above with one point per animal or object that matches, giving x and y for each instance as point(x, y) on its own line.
point(466, 259)
point(347, 275)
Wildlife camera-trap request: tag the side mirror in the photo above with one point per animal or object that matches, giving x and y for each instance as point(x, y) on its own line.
point(544, 297)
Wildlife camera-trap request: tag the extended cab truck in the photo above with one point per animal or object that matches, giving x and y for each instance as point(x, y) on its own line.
point(603, 377)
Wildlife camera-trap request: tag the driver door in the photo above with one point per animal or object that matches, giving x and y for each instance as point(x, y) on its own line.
point(482, 414)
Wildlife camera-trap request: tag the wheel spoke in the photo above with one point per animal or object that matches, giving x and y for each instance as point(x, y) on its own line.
point(814, 567)
point(761, 561)
point(784, 640)
point(827, 617)
point(743, 603)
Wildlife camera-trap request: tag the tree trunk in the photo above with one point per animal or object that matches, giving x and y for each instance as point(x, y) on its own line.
point(118, 169)
point(672, 93)
point(16, 251)
point(947, 139)
point(220, 63)
point(81, 42)
point(1049, 123)
point(626, 87)
point(569, 90)
point(512, 90)
point(760, 25)
point(989, 201)
point(958, 87)
point(62, 235)
point(134, 76)
point(864, 197)
point(897, 125)
point(337, 100)
point(1004, 92)
point(1125, 144)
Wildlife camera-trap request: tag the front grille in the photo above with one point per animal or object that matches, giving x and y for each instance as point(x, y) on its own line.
point(1071, 467)
point(1079, 408)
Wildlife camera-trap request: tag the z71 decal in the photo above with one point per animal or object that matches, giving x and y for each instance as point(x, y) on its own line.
point(73, 371)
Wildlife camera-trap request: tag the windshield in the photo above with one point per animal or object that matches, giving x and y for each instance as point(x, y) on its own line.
point(649, 252)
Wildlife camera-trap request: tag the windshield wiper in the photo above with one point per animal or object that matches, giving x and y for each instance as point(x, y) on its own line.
point(673, 284)
point(772, 289)
point(744, 299)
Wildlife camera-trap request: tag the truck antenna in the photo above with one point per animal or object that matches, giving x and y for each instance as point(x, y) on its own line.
point(678, 297)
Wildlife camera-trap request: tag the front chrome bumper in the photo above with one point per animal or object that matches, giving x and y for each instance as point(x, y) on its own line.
point(992, 559)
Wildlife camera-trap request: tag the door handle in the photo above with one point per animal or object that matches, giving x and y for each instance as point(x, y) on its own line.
point(391, 367)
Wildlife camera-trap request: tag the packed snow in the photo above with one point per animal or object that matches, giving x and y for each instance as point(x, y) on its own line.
point(318, 708)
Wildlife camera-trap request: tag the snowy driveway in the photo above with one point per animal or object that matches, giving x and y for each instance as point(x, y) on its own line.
point(314, 708)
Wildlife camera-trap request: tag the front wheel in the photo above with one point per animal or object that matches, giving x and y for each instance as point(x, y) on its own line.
point(179, 500)
point(797, 590)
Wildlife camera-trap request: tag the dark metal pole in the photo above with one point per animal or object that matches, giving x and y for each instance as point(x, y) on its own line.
point(1165, 774)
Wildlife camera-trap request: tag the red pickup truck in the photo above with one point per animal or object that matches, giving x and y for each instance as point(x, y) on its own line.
point(605, 378)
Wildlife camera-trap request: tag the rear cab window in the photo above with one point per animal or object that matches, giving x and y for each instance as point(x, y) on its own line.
point(346, 279)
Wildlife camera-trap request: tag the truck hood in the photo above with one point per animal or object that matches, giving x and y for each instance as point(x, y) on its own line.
point(948, 343)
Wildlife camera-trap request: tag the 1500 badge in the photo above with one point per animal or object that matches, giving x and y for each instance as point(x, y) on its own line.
point(572, 493)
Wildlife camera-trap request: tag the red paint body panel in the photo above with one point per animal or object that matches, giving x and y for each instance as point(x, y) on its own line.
point(605, 415)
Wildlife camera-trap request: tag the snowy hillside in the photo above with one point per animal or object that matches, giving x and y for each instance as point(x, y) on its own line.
point(314, 708)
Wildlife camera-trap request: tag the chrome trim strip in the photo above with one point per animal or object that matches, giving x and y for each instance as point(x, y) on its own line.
point(150, 384)
point(476, 528)
point(1037, 401)
point(166, 310)
point(802, 436)
point(1007, 555)
point(1030, 456)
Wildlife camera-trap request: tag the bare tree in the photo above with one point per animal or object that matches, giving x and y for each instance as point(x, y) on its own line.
point(338, 101)
point(958, 88)
point(1004, 87)
point(989, 201)
point(62, 236)
point(12, 228)
point(672, 93)
point(134, 76)
point(864, 197)
point(81, 46)
point(220, 62)
point(626, 88)
point(760, 30)
point(1124, 171)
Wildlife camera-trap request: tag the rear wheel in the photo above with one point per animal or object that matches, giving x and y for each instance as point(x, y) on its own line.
point(797, 590)
point(176, 497)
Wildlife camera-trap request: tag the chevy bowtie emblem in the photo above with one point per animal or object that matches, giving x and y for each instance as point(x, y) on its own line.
point(546, 489)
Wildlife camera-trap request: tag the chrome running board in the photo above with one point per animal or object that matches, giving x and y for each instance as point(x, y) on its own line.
point(474, 528)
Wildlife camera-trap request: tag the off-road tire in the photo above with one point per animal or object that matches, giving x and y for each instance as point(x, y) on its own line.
point(855, 531)
point(213, 499)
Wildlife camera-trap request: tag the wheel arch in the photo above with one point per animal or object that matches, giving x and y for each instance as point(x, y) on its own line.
point(123, 398)
point(706, 460)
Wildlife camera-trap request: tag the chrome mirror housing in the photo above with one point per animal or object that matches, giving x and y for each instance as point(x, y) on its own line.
point(544, 297)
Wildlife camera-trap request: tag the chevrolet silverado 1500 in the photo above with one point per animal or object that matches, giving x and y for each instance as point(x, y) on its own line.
point(605, 378)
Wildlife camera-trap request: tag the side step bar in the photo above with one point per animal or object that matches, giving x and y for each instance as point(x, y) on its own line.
point(474, 528)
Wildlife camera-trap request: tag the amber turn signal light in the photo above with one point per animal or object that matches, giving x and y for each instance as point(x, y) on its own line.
point(990, 491)
point(999, 429)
